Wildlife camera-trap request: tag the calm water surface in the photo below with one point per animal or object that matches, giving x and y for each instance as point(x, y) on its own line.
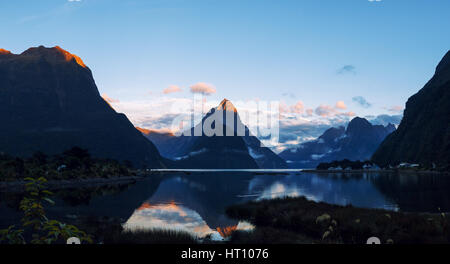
point(195, 201)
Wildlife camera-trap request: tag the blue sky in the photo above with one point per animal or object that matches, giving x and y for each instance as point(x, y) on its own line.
point(315, 52)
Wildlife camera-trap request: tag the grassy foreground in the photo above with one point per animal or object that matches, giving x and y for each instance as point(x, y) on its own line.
point(298, 220)
point(157, 236)
point(108, 230)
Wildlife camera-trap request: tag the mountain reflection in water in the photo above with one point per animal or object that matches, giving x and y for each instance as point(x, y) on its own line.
point(196, 201)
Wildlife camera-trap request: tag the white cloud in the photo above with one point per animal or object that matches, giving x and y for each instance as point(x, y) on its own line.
point(325, 110)
point(154, 113)
point(309, 112)
point(385, 119)
point(297, 124)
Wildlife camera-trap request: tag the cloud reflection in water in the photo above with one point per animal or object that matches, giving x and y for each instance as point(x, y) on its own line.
point(173, 216)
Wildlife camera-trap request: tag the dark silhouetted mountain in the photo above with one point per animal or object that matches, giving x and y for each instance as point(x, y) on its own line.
point(167, 143)
point(357, 142)
point(199, 150)
point(423, 136)
point(215, 151)
point(49, 102)
point(264, 156)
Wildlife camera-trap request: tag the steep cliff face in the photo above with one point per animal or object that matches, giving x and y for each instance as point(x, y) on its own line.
point(49, 102)
point(423, 136)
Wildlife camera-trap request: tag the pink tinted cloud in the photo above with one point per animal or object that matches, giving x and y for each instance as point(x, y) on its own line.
point(341, 105)
point(298, 108)
point(203, 88)
point(172, 89)
point(349, 114)
point(283, 107)
point(395, 109)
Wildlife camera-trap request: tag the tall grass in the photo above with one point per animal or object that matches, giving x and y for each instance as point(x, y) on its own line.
point(325, 223)
point(151, 236)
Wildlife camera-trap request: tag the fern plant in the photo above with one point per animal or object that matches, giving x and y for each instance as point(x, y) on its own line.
point(35, 224)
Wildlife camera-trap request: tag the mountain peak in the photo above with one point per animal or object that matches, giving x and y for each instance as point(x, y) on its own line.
point(69, 56)
point(48, 91)
point(359, 120)
point(55, 53)
point(226, 105)
point(5, 52)
point(358, 123)
point(390, 127)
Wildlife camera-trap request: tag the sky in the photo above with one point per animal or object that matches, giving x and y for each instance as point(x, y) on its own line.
point(324, 61)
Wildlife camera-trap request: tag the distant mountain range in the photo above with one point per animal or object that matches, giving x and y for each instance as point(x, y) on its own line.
point(423, 135)
point(205, 151)
point(49, 102)
point(358, 142)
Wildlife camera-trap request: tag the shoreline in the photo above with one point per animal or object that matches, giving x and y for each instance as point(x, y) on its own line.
point(376, 171)
point(8, 186)
point(299, 220)
point(15, 186)
point(284, 171)
point(347, 171)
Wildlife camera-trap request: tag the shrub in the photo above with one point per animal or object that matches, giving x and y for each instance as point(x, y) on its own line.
point(36, 227)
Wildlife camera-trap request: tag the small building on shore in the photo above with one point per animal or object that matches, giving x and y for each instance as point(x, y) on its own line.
point(405, 165)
